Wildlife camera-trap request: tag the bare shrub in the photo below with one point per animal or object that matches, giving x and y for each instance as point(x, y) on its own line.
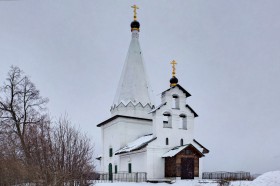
point(223, 182)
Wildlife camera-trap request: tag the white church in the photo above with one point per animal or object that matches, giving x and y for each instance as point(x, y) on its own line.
point(140, 137)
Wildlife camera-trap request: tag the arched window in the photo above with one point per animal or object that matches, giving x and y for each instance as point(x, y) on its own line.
point(181, 142)
point(183, 121)
point(175, 101)
point(166, 141)
point(167, 120)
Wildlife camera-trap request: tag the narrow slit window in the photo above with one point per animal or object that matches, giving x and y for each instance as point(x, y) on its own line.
point(116, 169)
point(110, 152)
point(181, 142)
point(167, 141)
point(129, 168)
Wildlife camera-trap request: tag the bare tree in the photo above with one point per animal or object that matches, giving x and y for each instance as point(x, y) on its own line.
point(32, 148)
point(20, 106)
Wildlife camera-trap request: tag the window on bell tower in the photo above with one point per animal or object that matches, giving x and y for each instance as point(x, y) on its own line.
point(183, 121)
point(167, 119)
point(175, 101)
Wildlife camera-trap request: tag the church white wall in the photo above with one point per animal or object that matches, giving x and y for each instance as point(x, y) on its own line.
point(137, 159)
point(155, 163)
point(155, 150)
point(121, 131)
point(117, 134)
point(176, 132)
point(167, 97)
point(200, 167)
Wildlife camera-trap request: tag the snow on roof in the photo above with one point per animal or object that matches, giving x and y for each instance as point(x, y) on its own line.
point(205, 150)
point(178, 149)
point(136, 145)
point(174, 151)
point(200, 149)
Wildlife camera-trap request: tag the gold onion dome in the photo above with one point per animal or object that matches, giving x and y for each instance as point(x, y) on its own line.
point(173, 81)
point(135, 25)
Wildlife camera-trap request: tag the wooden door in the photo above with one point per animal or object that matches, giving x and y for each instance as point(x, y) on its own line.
point(187, 168)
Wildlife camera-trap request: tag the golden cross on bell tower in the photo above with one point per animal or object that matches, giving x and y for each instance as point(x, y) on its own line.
point(173, 68)
point(135, 13)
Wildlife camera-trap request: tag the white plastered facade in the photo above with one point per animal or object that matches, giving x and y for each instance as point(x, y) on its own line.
point(174, 133)
point(133, 116)
point(116, 134)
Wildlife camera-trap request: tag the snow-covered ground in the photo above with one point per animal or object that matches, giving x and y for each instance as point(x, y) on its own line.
point(177, 183)
point(267, 179)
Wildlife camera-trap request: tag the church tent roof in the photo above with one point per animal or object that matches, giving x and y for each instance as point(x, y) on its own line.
point(134, 85)
point(136, 145)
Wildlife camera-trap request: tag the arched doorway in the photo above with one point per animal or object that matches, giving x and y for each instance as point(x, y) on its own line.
point(110, 171)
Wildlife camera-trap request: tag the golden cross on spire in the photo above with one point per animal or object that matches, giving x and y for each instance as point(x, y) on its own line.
point(173, 68)
point(135, 13)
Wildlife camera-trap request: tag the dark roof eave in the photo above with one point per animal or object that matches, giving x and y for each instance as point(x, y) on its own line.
point(121, 116)
point(195, 114)
point(200, 153)
point(181, 88)
point(159, 107)
point(205, 150)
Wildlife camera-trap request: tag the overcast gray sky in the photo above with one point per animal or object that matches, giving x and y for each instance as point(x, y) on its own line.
point(227, 53)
